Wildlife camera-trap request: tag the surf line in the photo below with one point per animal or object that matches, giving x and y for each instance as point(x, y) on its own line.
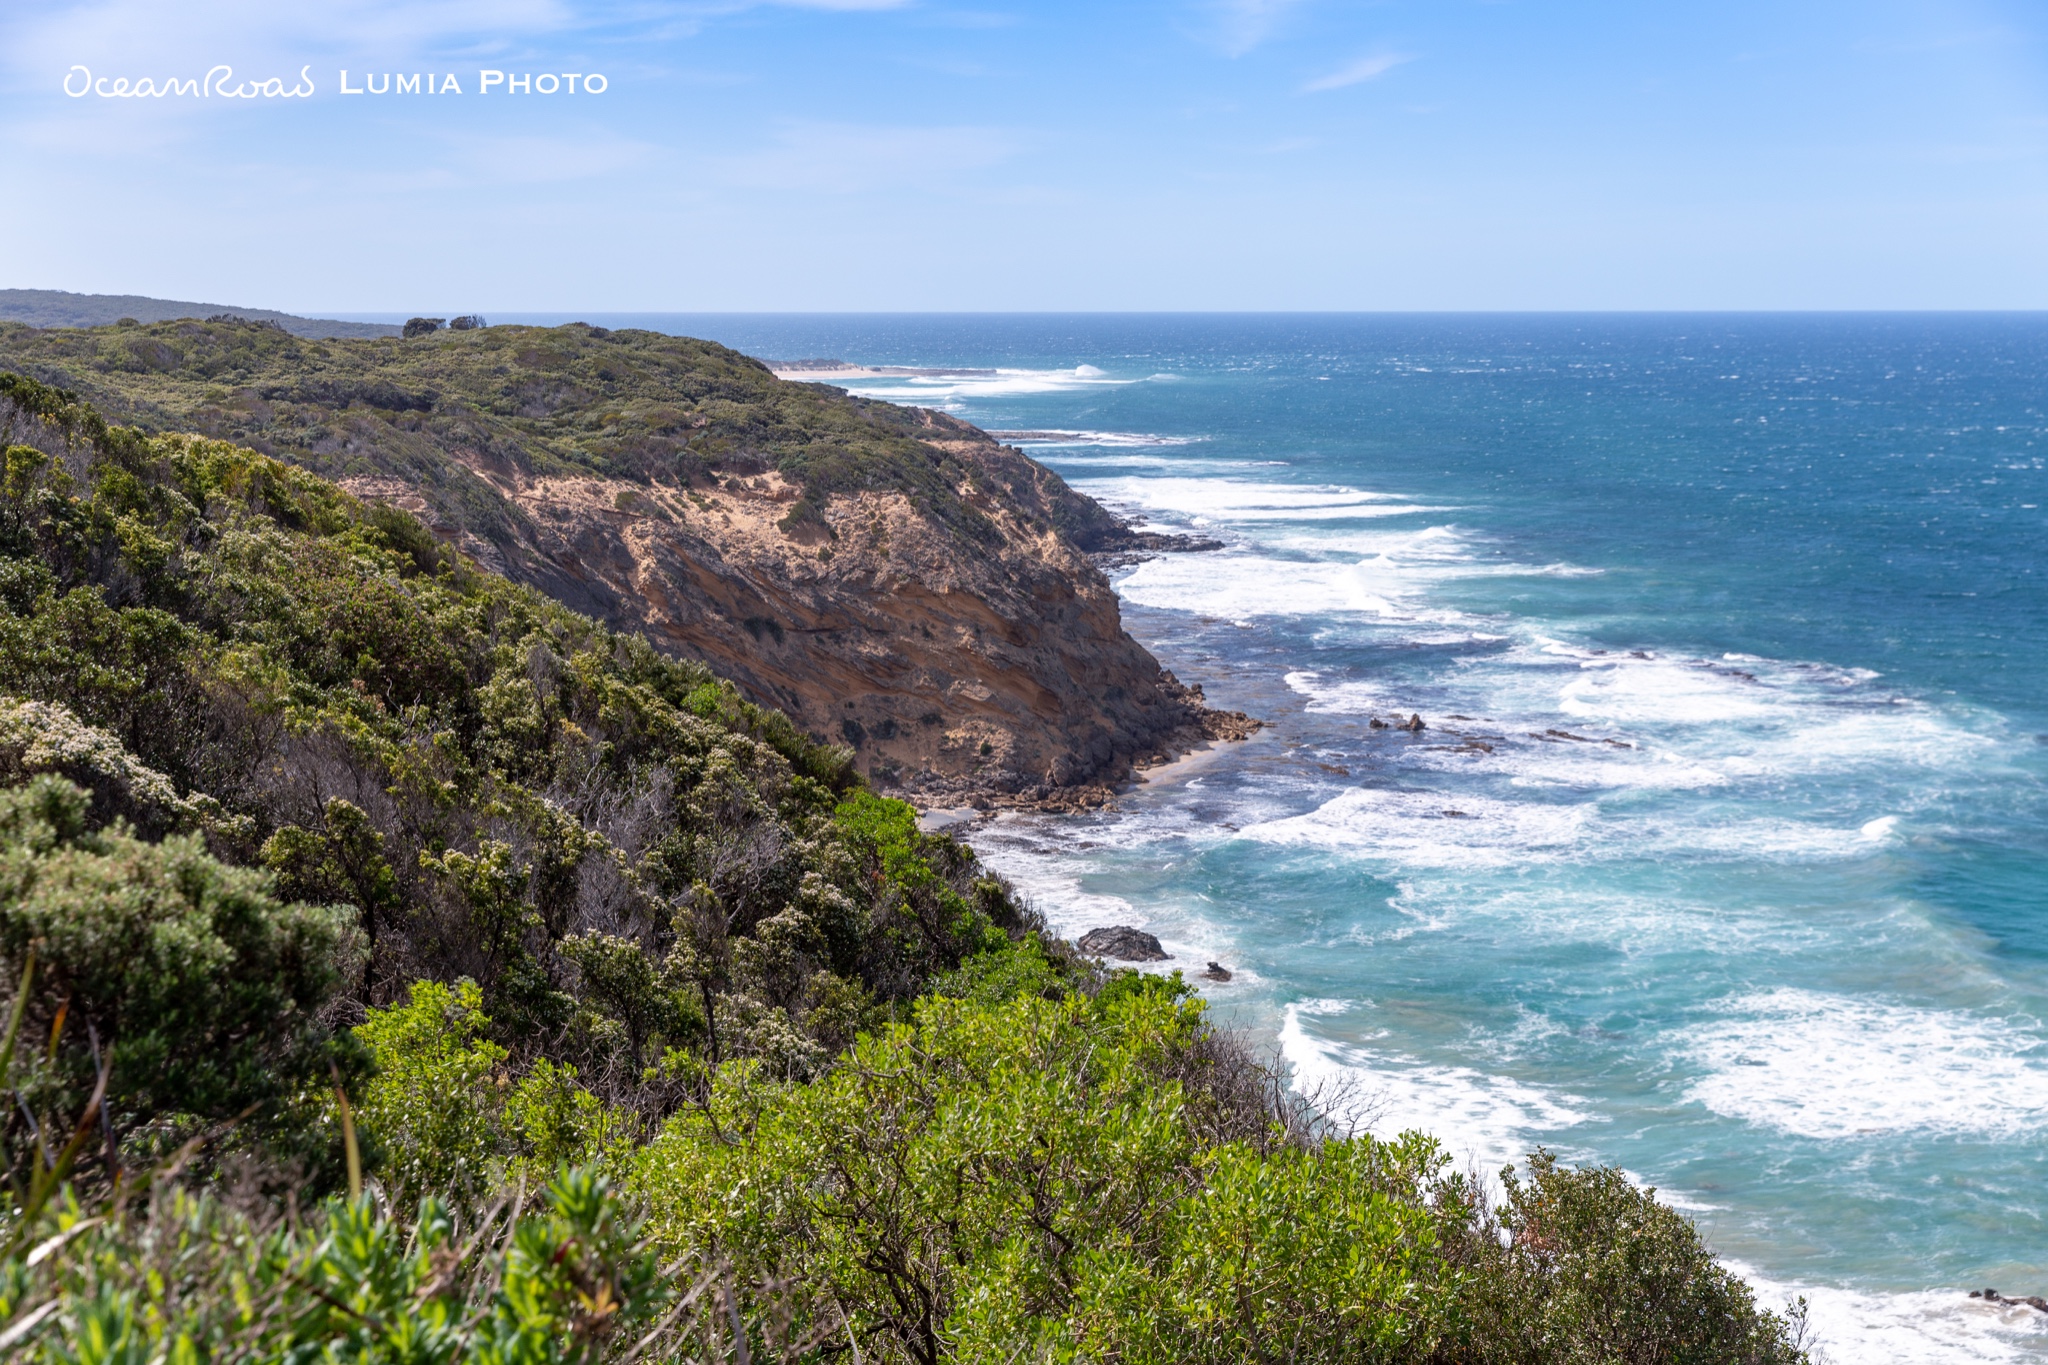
point(214, 82)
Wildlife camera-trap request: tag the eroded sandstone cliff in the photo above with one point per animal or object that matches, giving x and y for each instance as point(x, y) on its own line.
point(997, 670)
point(894, 579)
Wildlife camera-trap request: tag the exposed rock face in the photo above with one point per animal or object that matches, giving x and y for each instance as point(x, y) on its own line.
point(997, 671)
point(1124, 943)
point(893, 578)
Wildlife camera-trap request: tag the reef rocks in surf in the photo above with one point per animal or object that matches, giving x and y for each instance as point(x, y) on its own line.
point(1124, 943)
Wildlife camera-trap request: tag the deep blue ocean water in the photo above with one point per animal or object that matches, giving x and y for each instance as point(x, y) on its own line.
point(1724, 856)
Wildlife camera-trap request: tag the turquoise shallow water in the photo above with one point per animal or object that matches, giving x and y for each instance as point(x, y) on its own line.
point(1724, 857)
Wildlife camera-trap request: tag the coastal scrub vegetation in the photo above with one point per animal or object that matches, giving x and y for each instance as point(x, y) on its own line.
point(405, 968)
point(441, 408)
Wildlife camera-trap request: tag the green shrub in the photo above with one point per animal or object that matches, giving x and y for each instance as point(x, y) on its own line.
point(446, 1115)
point(185, 981)
point(1018, 1180)
point(188, 1279)
point(1580, 1267)
point(644, 874)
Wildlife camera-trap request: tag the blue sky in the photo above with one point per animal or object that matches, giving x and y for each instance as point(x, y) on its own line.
point(925, 154)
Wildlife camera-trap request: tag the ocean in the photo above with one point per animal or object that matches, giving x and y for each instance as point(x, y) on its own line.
point(1723, 856)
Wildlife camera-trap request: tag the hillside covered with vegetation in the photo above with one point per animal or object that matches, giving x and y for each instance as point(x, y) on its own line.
point(630, 405)
point(406, 969)
point(888, 577)
point(62, 308)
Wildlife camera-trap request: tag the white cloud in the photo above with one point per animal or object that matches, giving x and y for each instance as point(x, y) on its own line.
point(1241, 25)
point(1357, 73)
point(148, 35)
point(141, 33)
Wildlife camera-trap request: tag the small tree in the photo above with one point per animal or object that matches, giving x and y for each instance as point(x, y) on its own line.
point(1580, 1267)
point(419, 327)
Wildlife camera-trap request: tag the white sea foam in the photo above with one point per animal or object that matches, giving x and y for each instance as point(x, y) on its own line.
point(1346, 697)
point(1737, 839)
point(1334, 512)
point(951, 390)
point(1237, 499)
point(1735, 734)
point(1621, 691)
point(1832, 1066)
point(1929, 1327)
point(1118, 439)
point(1689, 723)
point(1422, 829)
point(1239, 586)
point(1483, 1120)
point(1392, 586)
point(1131, 456)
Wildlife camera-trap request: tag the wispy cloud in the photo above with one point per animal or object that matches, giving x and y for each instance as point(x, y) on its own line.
point(150, 35)
point(1365, 69)
point(1240, 25)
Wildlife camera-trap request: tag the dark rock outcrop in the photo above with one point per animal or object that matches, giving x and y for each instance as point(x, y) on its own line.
point(1124, 943)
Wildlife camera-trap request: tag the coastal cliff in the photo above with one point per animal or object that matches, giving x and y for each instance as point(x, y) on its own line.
point(892, 578)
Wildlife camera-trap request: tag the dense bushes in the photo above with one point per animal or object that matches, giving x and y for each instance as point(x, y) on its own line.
point(177, 987)
point(324, 855)
point(644, 874)
point(185, 1279)
point(1018, 1178)
point(626, 404)
point(999, 1179)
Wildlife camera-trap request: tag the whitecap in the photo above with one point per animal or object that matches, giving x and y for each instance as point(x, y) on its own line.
point(1621, 691)
point(1414, 829)
point(1228, 498)
point(1483, 1121)
point(1061, 439)
point(1826, 1066)
point(1913, 1327)
point(951, 390)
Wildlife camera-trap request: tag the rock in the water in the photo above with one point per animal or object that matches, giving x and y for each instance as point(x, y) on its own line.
point(1216, 972)
point(1993, 1296)
point(1124, 943)
point(1376, 723)
point(1415, 723)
